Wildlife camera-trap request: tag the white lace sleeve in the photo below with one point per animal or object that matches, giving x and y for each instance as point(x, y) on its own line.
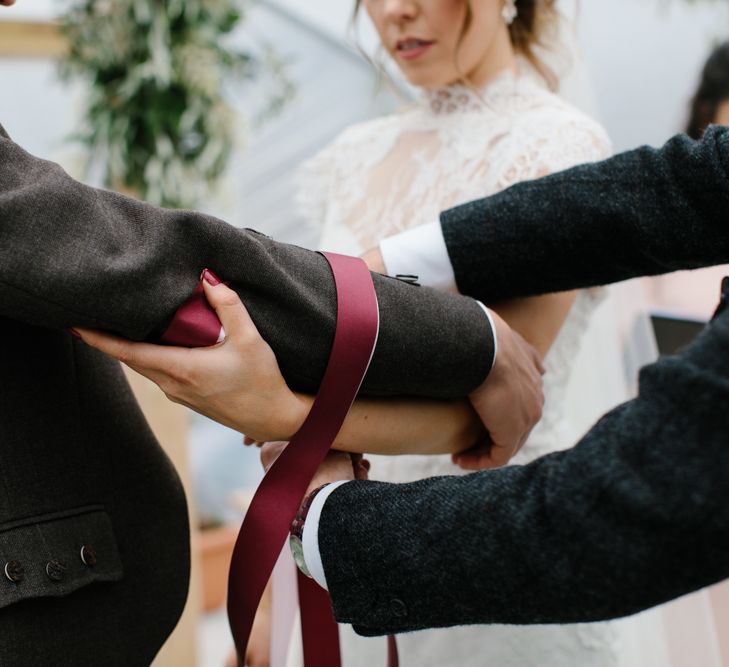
point(552, 142)
point(330, 187)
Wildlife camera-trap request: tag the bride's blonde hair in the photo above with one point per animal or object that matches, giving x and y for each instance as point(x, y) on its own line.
point(532, 29)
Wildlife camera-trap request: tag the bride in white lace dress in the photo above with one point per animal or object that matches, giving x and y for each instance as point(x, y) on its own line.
point(485, 120)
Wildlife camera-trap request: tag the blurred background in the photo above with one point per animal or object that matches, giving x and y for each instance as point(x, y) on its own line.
point(276, 81)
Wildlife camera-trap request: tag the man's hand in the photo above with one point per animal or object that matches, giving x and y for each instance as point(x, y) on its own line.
point(374, 261)
point(509, 402)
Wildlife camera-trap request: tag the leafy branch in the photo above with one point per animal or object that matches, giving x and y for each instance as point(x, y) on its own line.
point(157, 115)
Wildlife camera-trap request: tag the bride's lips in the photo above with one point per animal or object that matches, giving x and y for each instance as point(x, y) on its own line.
point(411, 48)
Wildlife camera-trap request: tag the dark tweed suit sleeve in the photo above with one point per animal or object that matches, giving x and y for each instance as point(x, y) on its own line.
point(643, 212)
point(634, 515)
point(71, 255)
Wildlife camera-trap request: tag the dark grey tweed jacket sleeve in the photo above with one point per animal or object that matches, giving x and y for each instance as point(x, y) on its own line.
point(643, 212)
point(634, 515)
point(71, 255)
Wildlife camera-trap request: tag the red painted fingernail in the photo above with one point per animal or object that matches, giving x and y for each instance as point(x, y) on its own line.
point(74, 333)
point(210, 278)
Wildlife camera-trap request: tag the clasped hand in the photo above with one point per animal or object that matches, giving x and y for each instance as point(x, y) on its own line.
point(509, 402)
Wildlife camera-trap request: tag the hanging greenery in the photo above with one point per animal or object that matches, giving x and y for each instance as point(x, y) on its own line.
point(157, 116)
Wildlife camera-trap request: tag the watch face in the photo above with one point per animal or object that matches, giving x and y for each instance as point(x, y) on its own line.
point(297, 550)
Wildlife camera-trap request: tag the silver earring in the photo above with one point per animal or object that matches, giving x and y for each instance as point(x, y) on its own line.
point(509, 11)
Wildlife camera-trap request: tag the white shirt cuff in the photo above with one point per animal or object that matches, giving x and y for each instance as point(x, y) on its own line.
point(310, 535)
point(493, 331)
point(420, 251)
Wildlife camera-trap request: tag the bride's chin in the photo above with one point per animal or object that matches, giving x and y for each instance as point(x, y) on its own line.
point(425, 81)
point(426, 77)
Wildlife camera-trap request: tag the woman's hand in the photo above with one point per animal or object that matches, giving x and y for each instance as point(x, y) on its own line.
point(237, 382)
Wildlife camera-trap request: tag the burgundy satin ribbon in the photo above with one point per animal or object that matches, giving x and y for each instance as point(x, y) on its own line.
point(319, 629)
point(195, 324)
point(267, 521)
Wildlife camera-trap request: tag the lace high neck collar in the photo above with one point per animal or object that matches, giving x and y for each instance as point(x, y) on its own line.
point(459, 98)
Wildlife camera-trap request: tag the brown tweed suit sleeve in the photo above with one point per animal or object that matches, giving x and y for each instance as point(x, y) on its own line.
point(71, 255)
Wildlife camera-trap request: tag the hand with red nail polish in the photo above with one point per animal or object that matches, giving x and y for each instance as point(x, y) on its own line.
point(237, 382)
point(210, 278)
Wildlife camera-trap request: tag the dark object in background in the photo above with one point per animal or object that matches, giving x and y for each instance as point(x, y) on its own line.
point(673, 333)
point(712, 91)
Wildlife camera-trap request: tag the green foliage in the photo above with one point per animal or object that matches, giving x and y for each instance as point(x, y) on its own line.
point(157, 115)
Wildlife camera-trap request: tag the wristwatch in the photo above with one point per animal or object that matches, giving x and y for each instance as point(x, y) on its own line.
point(297, 531)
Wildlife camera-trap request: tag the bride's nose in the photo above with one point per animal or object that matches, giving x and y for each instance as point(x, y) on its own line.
point(400, 11)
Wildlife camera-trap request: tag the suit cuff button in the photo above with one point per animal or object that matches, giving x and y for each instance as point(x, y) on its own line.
point(398, 608)
point(14, 571)
point(56, 570)
point(88, 555)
